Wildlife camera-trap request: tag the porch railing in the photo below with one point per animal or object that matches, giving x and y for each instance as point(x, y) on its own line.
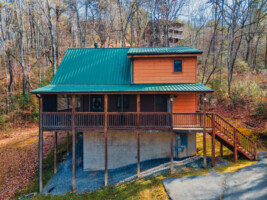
point(125, 120)
point(191, 120)
point(89, 119)
point(128, 119)
point(155, 120)
point(57, 120)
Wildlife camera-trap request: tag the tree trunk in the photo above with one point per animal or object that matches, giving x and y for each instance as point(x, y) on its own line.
point(79, 24)
point(266, 52)
point(85, 25)
point(51, 37)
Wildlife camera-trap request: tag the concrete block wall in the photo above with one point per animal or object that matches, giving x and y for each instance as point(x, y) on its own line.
point(122, 148)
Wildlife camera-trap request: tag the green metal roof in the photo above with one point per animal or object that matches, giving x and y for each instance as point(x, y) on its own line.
point(171, 87)
point(94, 66)
point(162, 50)
point(108, 70)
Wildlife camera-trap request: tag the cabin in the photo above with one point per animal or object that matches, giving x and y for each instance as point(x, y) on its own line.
point(132, 105)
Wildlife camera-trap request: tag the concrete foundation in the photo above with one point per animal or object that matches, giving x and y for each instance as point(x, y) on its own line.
point(122, 148)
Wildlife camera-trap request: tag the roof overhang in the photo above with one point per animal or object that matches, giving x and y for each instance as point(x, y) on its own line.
point(163, 55)
point(131, 88)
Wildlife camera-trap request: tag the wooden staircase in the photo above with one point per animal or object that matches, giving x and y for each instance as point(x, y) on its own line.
point(232, 138)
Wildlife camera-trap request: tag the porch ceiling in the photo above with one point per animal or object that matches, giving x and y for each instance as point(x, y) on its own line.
point(134, 88)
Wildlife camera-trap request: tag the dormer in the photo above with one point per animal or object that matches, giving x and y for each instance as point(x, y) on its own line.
point(163, 64)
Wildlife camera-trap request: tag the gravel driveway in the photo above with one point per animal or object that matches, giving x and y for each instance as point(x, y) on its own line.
point(247, 183)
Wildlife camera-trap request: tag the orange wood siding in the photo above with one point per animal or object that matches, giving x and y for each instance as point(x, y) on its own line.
point(161, 70)
point(185, 103)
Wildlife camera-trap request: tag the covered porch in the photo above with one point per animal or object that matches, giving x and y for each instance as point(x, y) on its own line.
point(106, 113)
point(120, 111)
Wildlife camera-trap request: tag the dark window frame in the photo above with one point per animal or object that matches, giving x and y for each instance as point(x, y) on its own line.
point(178, 69)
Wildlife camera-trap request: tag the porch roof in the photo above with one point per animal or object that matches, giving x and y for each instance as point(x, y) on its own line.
point(134, 88)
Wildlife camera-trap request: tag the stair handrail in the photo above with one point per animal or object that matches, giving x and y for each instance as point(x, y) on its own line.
point(250, 149)
point(234, 127)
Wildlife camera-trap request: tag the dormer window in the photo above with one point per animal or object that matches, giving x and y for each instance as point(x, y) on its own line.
point(177, 66)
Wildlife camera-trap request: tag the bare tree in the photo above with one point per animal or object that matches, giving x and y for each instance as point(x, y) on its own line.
point(130, 8)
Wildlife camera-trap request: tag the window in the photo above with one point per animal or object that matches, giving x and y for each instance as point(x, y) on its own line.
point(122, 103)
point(177, 66)
point(97, 103)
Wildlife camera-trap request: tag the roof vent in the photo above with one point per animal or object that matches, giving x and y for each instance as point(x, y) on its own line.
point(96, 45)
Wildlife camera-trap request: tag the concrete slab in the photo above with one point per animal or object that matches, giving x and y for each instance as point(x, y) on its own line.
point(195, 187)
point(249, 183)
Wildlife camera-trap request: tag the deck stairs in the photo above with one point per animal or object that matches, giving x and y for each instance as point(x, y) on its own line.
point(232, 138)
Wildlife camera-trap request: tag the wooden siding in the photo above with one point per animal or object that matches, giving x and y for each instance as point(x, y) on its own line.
point(161, 70)
point(185, 103)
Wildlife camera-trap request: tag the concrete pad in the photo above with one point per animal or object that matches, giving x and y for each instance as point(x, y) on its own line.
point(249, 183)
point(195, 187)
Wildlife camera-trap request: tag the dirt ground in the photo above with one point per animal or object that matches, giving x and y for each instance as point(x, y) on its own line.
point(19, 158)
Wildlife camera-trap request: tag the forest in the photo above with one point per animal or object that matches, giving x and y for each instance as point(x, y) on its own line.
point(232, 34)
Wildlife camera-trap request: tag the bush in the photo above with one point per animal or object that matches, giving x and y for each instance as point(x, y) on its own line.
point(241, 67)
point(2, 120)
point(261, 109)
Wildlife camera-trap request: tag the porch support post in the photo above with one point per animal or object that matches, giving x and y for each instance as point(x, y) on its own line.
point(55, 154)
point(68, 146)
point(171, 132)
point(204, 133)
point(213, 140)
point(106, 137)
point(235, 146)
point(221, 149)
point(40, 185)
point(138, 135)
point(73, 144)
point(255, 151)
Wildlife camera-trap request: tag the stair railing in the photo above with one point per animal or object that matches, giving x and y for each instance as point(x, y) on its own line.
point(242, 140)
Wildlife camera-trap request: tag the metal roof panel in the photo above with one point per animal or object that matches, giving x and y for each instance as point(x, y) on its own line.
point(172, 87)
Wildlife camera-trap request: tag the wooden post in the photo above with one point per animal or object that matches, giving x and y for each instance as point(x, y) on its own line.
point(235, 146)
point(138, 135)
point(204, 133)
point(68, 146)
point(255, 151)
point(40, 185)
point(73, 144)
point(55, 154)
point(106, 137)
point(213, 140)
point(221, 149)
point(171, 132)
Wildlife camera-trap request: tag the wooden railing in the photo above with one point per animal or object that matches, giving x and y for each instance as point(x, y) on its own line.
point(97, 120)
point(89, 119)
point(224, 127)
point(57, 120)
point(126, 120)
point(191, 120)
point(155, 119)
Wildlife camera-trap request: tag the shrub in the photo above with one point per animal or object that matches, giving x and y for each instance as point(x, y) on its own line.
point(261, 109)
point(2, 120)
point(241, 67)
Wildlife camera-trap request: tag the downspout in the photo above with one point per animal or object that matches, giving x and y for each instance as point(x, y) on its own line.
point(39, 143)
